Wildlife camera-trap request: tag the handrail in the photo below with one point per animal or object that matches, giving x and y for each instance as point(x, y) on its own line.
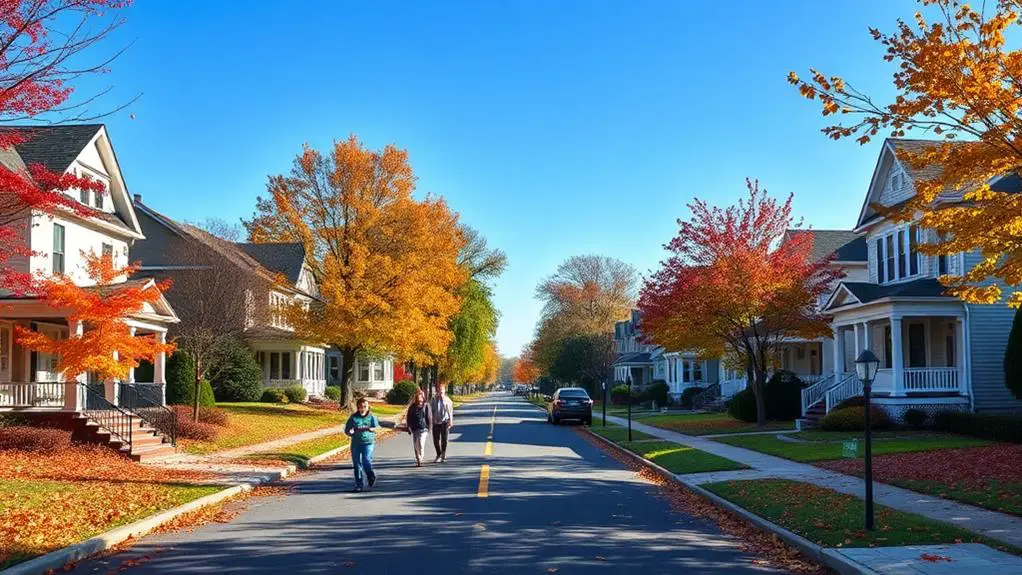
point(117, 421)
point(705, 396)
point(149, 408)
point(812, 394)
point(849, 386)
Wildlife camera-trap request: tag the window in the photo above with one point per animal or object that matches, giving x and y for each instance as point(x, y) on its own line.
point(58, 249)
point(686, 374)
point(99, 198)
point(363, 370)
point(335, 368)
point(913, 250)
point(917, 345)
point(285, 365)
point(274, 365)
point(897, 180)
point(108, 252)
point(889, 256)
point(888, 364)
point(800, 353)
point(378, 371)
point(697, 371)
point(880, 260)
point(902, 263)
point(942, 264)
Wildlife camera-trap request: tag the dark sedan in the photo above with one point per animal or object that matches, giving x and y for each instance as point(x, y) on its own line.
point(570, 403)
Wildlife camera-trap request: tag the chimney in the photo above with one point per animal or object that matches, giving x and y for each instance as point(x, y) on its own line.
point(137, 198)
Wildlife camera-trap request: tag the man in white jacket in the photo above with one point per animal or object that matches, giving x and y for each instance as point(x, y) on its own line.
point(441, 410)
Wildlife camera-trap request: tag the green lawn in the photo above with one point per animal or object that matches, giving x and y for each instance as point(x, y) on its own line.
point(1003, 496)
point(617, 433)
point(834, 519)
point(825, 445)
point(680, 459)
point(387, 410)
point(709, 423)
point(252, 423)
point(300, 453)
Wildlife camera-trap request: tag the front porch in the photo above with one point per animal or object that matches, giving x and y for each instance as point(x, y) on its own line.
point(287, 364)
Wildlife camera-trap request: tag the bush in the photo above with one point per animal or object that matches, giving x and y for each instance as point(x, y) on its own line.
point(783, 395)
point(34, 439)
point(333, 392)
point(854, 401)
point(180, 375)
point(187, 428)
point(742, 406)
point(997, 427)
point(209, 415)
point(853, 419)
point(273, 395)
point(238, 377)
point(402, 392)
point(1013, 357)
point(619, 394)
point(915, 418)
point(657, 391)
point(687, 395)
point(296, 394)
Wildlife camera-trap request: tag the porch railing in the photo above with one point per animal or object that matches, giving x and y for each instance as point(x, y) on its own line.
point(146, 401)
point(706, 397)
point(931, 379)
point(32, 394)
point(848, 386)
point(115, 420)
point(814, 393)
point(814, 379)
point(731, 387)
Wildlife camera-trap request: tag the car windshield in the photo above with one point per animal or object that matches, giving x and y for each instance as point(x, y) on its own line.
point(573, 394)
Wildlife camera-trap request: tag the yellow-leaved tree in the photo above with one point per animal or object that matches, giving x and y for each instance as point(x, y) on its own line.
point(958, 84)
point(386, 263)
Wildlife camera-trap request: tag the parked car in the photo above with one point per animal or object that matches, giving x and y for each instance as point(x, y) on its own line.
point(570, 403)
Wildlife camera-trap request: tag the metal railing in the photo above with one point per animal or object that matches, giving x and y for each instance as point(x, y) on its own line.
point(848, 386)
point(146, 401)
point(118, 422)
point(706, 397)
point(32, 394)
point(814, 393)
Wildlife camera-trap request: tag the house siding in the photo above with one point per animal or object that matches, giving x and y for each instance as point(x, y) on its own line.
point(989, 326)
point(160, 244)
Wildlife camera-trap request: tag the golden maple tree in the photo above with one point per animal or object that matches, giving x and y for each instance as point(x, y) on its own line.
point(958, 84)
point(386, 263)
point(106, 346)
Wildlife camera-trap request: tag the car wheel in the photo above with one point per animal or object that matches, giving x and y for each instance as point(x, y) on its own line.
point(588, 421)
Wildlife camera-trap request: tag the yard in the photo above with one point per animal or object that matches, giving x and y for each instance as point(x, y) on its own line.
point(51, 501)
point(808, 446)
point(680, 459)
point(617, 433)
point(300, 453)
point(709, 423)
point(834, 519)
point(252, 423)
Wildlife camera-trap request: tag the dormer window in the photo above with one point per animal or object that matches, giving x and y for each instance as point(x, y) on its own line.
point(897, 180)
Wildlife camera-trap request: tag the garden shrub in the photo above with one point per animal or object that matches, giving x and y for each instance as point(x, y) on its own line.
point(34, 439)
point(687, 395)
point(742, 406)
point(853, 419)
point(273, 395)
point(296, 394)
point(854, 401)
point(619, 394)
point(997, 427)
point(915, 418)
point(180, 374)
point(238, 376)
point(187, 428)
point(402, 392)
point(211, 415)
point(783, 396)
point(657, 392)
point(333, 392)
point(1013, 357)
point(9, 420)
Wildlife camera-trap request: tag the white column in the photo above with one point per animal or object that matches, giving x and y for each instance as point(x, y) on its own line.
point(960, 361)
point(72, 395)
point(160, 368)
point(866, 336)
point(111, 384)
point(858, 345)
point(839, 352)
point(131, 371)
point(897, 361)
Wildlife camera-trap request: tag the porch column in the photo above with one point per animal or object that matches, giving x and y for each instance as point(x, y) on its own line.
point(131, 371)
point(897, 361)
point(961, 361)
point(839, 352)
point(160, 368)
point(110, 385)
point(858, 347)
point(72, 395)
point(866, 336)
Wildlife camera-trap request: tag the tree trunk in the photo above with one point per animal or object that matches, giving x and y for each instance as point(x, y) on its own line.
point(198, 390)
point(348, 359)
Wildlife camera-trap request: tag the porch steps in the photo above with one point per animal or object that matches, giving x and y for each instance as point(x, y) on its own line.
point(814, 414)
point(146, 442)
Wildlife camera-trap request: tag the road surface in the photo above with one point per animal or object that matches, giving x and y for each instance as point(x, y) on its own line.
point(552, 503)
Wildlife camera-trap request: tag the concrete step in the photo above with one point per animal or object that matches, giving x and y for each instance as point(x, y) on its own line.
point(146, 453)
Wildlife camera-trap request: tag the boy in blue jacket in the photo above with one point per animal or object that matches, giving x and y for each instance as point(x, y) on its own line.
point(361, 427)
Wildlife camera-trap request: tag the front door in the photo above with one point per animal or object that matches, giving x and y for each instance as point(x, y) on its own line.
point(916, 345)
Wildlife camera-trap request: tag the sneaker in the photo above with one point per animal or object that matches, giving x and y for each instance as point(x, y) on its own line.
point(437, 460)
point(443, 459)
point(372, 481)
point(357, 490)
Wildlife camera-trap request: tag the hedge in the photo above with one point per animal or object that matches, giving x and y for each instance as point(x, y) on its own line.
point(657, 391)
point(402, 392)
point(238, 376)
point(996, 427)
point(296, 394)
point(333, 392)
point(687, 395)
point(273, 395)
point(34, 439)
point(854, 419)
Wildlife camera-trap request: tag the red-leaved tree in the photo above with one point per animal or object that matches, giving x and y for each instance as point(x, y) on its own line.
point(732, 288)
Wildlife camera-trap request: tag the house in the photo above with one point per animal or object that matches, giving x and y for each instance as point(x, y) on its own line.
point(29, 382)
point(372, 376)
point(248, 284)
point(937, 352)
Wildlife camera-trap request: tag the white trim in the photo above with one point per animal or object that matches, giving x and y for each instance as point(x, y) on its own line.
point(167, 268)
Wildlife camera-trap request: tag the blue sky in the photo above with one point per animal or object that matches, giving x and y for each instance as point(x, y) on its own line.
point(555, 128)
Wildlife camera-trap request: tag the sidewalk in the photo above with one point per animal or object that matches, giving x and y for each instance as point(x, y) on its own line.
point(999, 526)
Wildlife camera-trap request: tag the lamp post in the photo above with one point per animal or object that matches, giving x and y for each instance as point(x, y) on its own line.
point(628, 380)
point(866, 366)
point(604, 386)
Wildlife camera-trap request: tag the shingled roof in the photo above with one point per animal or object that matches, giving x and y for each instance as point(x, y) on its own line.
point(282, 258)
point(55, 147)
point(845, 245)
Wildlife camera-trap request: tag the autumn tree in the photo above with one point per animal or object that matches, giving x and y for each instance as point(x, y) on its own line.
point(106, 346)
point(386, 263)
point(473, 328)
point(584, 360)
point(731, 287)
point(525, 371)
point(958, 83)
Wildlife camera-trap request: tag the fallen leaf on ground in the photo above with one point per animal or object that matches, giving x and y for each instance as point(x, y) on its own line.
point(932, 558)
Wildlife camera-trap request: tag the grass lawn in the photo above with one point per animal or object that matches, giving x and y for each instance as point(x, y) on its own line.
point(678, 458)
point(709, 423)
point(989, 476)
point(834, 519)
point(300, 453)
point(617, 433)
point(460, 399)
point(824, 446)
point(387, 410)
point(51, 501)
point(252, 423)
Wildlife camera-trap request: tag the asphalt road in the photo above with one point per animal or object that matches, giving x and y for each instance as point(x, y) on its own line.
point(553, 503)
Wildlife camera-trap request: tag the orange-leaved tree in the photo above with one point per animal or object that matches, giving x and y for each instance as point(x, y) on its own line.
point(525, 370)
point(385, 262)
point(959, 84)
point(732, 287)
point(106, 346)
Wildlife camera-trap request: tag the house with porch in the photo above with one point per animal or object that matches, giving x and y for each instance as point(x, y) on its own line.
point(372, 376)
point(124, 413)
point(937, 352)
point(263, 279)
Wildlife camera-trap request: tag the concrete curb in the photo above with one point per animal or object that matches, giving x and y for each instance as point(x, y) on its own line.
point(325, 455)
point(828, 557)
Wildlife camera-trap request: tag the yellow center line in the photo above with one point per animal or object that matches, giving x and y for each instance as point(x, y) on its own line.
point(484, 482)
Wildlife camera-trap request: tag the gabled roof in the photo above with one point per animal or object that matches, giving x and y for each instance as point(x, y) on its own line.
point(845, 245)
point(283, 258)
point(864, 292)
point(55, 147)
point(634, 358)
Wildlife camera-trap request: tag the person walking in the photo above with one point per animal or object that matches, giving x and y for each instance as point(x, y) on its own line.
point(417, 419)
point(441, 410)
point(361, 428)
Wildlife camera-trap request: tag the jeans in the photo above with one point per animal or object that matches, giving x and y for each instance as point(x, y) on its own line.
point(419, 443)
point(362, 460)
point(440, 439)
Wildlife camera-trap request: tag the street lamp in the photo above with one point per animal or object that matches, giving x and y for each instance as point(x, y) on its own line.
point(866, 366)
point(604, 386)
point(628, 380)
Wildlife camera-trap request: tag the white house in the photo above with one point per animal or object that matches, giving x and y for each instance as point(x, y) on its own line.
point(371, 376)
point(29, 382)
point(936, 352)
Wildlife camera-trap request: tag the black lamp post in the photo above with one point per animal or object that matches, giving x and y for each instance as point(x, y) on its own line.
point(866, 366)
point(628, 380)
point(604, 385)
